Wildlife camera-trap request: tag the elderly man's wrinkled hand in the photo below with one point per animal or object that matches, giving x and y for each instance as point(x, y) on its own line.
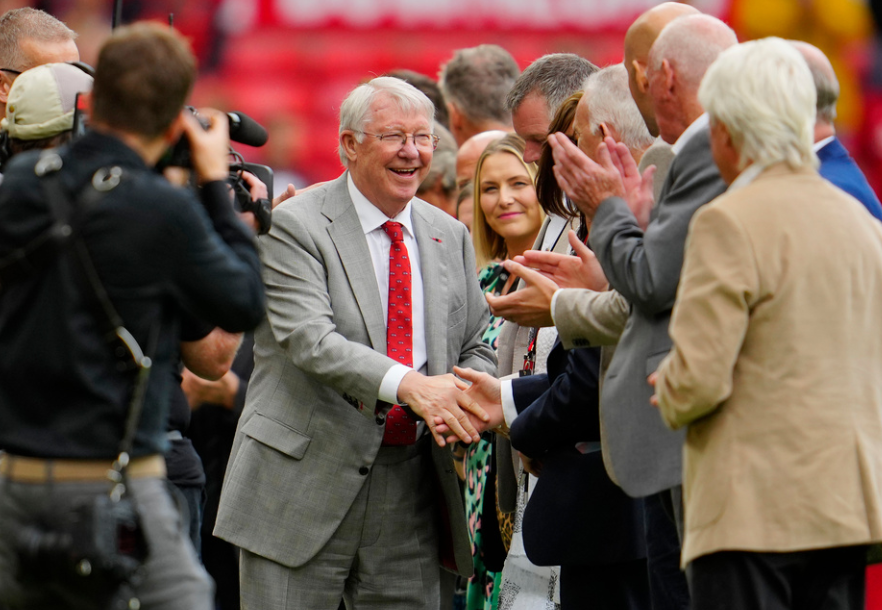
point(580, 271)
point(529, 306)
point(585, 182)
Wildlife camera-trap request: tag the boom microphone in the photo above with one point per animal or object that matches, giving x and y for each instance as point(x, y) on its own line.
point(245, 130)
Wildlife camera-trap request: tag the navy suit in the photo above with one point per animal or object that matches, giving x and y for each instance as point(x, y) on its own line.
point(577, 517)
point(838, 167)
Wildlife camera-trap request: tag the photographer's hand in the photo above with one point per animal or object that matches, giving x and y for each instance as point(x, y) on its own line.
point(258, 190)
point(209, 148)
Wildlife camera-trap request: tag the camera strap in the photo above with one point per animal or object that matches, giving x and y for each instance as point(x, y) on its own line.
point(69, 214)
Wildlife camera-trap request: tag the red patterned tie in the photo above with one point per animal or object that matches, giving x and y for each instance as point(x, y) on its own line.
point(400, 425)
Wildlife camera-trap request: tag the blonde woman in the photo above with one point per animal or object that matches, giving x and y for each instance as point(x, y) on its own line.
point(507, 219)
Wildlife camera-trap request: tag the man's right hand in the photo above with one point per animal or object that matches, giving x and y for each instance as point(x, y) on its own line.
point(441, 398)
point(529, 306)
point(580, 271)
point(209, 148)
point(485, 390)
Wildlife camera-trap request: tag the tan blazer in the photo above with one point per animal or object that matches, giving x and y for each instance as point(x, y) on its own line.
point(776, 369)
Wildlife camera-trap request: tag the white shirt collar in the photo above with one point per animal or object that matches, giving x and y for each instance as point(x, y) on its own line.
point(697, 125)
point(822, 143)
point(748, 175)
point(370, 216)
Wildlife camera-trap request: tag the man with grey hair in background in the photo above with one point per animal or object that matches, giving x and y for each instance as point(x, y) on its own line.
point(540, 89)
point(837, 166)
point(643, 456)
point(475, 83)
point(339, 484)
point(29, 38)
point(775, 358)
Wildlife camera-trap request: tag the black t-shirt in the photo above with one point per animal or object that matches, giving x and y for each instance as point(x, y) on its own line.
point(157, 253)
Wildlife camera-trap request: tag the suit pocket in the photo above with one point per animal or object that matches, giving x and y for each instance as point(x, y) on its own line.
point(277, 435)
point(654, 360)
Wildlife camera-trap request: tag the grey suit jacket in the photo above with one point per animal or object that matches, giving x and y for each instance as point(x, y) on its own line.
point(660, 155)
point(312, 424)
point(644, 457)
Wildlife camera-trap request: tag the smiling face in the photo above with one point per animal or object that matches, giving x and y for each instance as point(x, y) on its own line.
point(385, 172)
point(508, 198)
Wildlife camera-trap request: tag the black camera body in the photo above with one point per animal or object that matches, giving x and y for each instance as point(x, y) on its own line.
point(244, 130)
point(93, 560)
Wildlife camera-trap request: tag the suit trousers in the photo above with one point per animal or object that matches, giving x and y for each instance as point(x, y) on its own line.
point(820, 579)
point(619, 586)
point(667, 582)
point(384, 555)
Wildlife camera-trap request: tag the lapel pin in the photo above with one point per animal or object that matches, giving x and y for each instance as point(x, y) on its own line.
point(438, 239)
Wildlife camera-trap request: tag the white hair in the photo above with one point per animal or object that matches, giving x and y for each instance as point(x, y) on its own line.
point(690, 44)
point(609, 101)
point(763, 92)
point(355, 111)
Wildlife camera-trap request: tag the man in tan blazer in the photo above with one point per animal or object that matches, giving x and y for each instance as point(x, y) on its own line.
point(776, 357)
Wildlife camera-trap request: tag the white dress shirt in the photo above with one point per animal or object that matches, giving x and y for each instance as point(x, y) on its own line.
point(379, 243)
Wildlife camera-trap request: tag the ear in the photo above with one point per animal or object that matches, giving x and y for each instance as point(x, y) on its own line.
point(5, 86)
point(670, 75)
point(457, 120)
point(347, 144)
point(174, 131)
point(608, 132)
point(640, 75)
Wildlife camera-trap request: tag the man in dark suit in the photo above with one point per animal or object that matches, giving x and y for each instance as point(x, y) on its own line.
point(334, 489)
point(576, 517)
point(837, 166)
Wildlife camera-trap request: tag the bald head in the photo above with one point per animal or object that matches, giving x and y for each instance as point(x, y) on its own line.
point(469, 153)
point(638, 40)
point(826, 83)
point(678, 59)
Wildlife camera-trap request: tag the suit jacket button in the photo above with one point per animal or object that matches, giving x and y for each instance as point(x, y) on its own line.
point(381, 419)
point(364, 470)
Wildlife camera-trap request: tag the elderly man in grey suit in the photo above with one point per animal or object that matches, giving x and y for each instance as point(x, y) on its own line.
point(335, 488)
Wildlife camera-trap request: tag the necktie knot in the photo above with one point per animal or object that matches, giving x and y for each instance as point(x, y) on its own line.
point(393, 230)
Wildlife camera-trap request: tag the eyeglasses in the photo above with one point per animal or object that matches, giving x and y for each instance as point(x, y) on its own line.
point(397, 139)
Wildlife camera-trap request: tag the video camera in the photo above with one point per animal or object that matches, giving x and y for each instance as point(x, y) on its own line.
point(245, 130)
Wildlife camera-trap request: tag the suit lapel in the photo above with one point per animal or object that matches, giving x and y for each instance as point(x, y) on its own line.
point(347, 234)
point(433, 266)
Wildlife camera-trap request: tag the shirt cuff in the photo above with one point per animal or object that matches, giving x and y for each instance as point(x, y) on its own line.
point(509, 411)
point(553, 303)
point(391, 381)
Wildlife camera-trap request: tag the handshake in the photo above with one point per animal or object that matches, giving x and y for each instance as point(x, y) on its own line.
point(454, 408)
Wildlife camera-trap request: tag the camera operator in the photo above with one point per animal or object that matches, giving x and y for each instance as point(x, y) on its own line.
point(153, 250)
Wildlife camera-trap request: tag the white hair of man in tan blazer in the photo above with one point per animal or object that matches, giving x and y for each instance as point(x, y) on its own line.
point(776, 357)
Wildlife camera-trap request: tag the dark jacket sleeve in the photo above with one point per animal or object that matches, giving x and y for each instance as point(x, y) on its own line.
point(566, 412)
point(215, 284)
